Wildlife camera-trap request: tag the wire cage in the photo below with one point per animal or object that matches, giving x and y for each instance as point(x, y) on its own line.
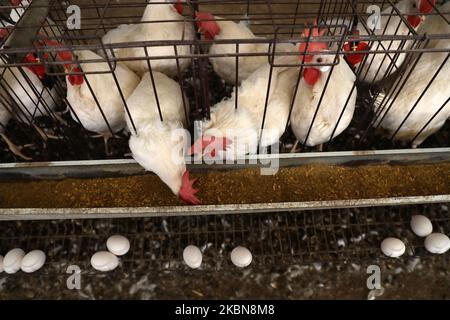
point(63, 87)
point(383, 64)
point(275, 239)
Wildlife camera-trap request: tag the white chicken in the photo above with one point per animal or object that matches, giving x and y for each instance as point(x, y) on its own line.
point(315, 124)
point(160, 140)
point(24, 96)
point(150, 30)
point(5, 116)
point(32, 98)
point(21, 6)
point(233, 132)
point(379, 66)
point(215, 27)
point(108, 116)
point(415, 114)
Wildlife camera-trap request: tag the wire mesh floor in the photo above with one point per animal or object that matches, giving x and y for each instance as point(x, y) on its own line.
point(278, 240)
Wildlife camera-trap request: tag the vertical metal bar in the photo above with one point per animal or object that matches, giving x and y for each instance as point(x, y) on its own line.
point(266, 103)
point(294, 23)
point(180, 83)
point(101, 16)
point(431, 119)
point(424, 91)
point(94, 96)
point(236, 88)
point(152, 78)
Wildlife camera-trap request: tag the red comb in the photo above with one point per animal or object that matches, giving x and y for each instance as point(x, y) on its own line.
point(211, 144)
point(16, 2)
point(426, 6)
point(5, 31)
point(179, 7)
point(355, 58)
point(74, 79)
point(209, 28)
point(312, 46)
point(39, 69)
point(187, 191)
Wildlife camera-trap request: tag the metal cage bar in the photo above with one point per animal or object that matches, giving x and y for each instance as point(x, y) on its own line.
point(273, 22)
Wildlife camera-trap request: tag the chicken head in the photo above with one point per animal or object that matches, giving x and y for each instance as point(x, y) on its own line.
point(35, 65)
point(312, 74)
point(207, 25)
point(66, 56)
point(187, 191)
point(419, 8)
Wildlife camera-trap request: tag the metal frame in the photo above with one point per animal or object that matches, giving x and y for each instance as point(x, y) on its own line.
point(276, 240)
point(284, 25)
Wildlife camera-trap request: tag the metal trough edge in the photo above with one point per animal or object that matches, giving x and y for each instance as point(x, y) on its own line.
point(59, 170)
point(98, 168)
point(133, 212)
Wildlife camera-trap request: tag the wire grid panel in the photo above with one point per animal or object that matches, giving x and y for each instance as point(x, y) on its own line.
point(277, 240)
point(274, 23)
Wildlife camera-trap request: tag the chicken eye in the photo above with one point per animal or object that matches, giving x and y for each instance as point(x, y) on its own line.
point(319, 60)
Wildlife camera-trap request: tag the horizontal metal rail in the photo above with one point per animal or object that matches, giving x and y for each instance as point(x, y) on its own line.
point(134, 212)
point(61, 170)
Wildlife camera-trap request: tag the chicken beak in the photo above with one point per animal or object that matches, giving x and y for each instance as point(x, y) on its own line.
point(325, 68)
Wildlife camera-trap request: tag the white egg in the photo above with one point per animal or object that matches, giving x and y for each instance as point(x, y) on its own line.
point(13, 260)
point(118, 245)
point(241, 257)
point(192, 256)
point(393, 247)
point(437, 243)
point(33, 261)
point(421, 225)
point(104, 261)
point(1, 264)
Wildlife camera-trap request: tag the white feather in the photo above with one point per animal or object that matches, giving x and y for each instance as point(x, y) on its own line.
point(381, 65)
point(243, 125)
point(433, 99)
point(225, 67)
point(27, 97)
point(105, 91)
point(333, 102)
point(149, 30)
point(159, 146)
